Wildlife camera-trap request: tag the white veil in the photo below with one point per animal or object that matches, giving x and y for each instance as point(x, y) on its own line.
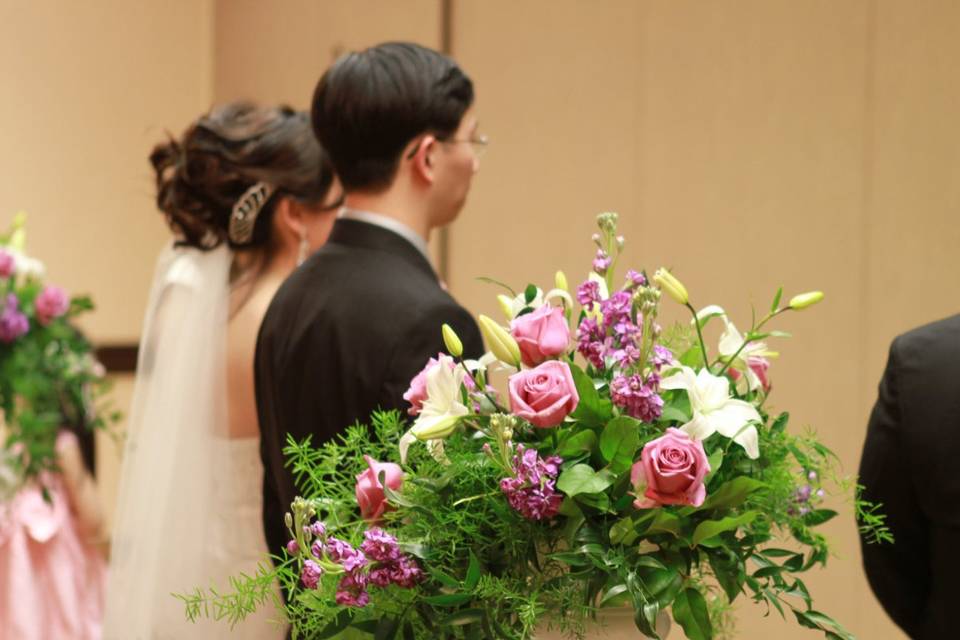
point(161, 541)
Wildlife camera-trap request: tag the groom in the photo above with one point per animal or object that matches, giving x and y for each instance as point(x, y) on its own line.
point(354, 324)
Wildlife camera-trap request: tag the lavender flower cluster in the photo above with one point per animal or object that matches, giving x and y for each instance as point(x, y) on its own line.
point(532, 488)
point(378, 562)
point(13, 323)
point(615, 339)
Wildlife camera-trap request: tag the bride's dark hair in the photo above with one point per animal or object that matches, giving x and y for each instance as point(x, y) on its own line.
point(201, 176)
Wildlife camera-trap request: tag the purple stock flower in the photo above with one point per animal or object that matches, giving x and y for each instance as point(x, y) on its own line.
point(803, 493)
point(638, 398)
point(590, 344)
point(380, 546)
point(352, 590)
point(602, 262)
point(293, 548)
point(13, 323)
point(318, 529)
point(310, 574)
point(635, 279)
point(616, 308)
point(406, 573)
point(628, 356)
point(345, 555)
point(7, 264)
point(661, 356)
point(317, 548)
point(588, 292)
point(532, 489)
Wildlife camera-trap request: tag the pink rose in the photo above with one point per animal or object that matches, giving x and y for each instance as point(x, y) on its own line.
point(670, 470)
point(541, 334)
point(51, 303)
point(369, 491)
point(543, 396)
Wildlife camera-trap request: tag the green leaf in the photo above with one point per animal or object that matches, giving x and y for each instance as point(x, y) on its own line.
point(716, 461)
point(613, 592)
point(733, 493)
point(623, 531)
point(581, 478)
point(664, 522)
point(444, 579)
point(818, 517)
point(467, 616)
point(673, 413)
point(580, 442)
point(392, 496)
point(473, 573)
point(530, 293)
point(690, 612)
point(386, 628)
point(780, 423)
point(728, 570)
point(776, 300)
point(448, 599)
point(710, 528)
point(593, 411)
point(619, 442)
point(338, 624)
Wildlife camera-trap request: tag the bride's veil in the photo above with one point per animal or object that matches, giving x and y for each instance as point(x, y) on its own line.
point(161, 531)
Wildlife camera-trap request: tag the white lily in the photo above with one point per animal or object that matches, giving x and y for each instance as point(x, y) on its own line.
point(730, 342)
point(442, 408)
point(714, 410)
point(512, 306)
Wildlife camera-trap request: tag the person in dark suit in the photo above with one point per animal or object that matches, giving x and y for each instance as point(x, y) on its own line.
point(911, 466)
point(359, 319)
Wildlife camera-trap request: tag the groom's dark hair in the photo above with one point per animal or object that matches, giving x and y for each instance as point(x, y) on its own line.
point(370, 104)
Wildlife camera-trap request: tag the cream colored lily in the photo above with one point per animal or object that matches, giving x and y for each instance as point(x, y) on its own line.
point(714, 410)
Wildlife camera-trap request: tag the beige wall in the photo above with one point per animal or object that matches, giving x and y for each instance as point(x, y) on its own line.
point(89, 88)
point(746, 144)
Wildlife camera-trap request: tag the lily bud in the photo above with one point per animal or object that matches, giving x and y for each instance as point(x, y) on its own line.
point(560, 281)
point(433, 429)
point(288, 519)
point(804, 300)
point(501, 343)
point(673, 287)
point(452, 342)
point(506, 305)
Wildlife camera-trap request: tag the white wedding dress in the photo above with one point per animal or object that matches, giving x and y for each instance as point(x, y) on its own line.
point(189, 506)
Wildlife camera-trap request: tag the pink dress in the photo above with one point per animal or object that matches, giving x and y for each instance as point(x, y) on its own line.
point(51, 582)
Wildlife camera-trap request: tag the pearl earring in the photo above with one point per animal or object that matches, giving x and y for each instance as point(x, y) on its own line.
point(304, 247)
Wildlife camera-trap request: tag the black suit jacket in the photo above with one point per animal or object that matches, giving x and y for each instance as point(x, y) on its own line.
point(343, 336)
point(911, 464)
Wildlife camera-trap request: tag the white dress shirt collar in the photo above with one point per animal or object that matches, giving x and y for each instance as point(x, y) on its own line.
point(390, 224)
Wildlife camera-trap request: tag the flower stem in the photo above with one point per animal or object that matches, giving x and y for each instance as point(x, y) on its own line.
point(703, 345)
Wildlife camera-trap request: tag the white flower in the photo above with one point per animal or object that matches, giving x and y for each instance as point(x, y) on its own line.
point(25, 266)
point(442, 408)
point(512, 306)
point(730, 342)
point(714, 410)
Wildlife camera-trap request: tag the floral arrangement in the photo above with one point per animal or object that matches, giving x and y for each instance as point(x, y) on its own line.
point(622, 465)
point(48, 373)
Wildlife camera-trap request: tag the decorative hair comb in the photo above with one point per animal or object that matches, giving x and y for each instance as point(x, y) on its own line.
point(245, 212)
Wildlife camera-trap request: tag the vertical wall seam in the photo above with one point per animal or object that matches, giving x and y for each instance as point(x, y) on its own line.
point(868, 167)
point(446, 47)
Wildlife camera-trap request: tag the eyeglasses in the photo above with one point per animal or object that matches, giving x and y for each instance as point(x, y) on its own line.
point(478, 142)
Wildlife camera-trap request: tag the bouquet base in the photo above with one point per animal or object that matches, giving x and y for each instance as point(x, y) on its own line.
point(615, 623)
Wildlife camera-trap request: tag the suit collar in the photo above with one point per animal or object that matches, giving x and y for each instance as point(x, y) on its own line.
point(356, 233)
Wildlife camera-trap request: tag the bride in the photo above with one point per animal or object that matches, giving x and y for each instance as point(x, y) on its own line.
point(248, 194)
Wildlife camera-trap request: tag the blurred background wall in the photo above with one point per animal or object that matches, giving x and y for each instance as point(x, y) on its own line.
point(747, 144)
